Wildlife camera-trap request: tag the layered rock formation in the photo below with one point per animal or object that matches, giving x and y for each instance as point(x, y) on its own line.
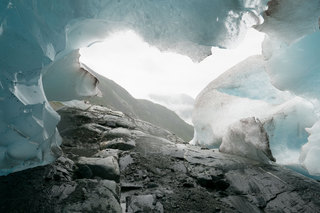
point(112, 163)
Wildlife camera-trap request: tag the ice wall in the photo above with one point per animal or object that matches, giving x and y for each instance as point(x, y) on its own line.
point(296, 67)
point(281, 88)
point(246, 91)
point(292, 50)
point(66, 79)
point(38, 39)
point(310, 155)
point(287, 20)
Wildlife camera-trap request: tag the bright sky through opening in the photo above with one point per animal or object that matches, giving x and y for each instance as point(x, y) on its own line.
point(143, 69)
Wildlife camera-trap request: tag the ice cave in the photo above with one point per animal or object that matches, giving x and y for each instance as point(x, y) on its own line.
point(266, 108)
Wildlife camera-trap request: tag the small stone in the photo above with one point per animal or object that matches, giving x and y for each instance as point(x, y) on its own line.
point(106, 168)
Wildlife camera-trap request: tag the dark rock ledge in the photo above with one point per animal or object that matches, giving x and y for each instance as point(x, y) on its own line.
point(113, 163)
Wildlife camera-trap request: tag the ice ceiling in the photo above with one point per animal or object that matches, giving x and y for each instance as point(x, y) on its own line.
point(39, 62)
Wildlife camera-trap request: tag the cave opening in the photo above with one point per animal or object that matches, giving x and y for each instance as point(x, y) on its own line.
point(252, 115)
point(166, 78)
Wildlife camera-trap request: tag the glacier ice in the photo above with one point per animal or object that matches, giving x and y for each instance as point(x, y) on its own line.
point(283, 94)
point(291, 50)
point(246, 91)
point(296, 67)
point(310, 154)
point(67, 79)
point(28, 130)
point(288, 20)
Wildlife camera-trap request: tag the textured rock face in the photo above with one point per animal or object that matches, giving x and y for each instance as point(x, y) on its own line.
point(105, 168)
point(57, 188)
point(159, 174)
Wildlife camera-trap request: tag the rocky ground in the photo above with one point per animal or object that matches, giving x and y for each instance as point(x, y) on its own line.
point(113, 163)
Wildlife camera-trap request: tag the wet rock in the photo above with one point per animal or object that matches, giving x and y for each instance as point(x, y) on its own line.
point(93, 127)
point(213, 182)
point(117, 133)
point(81, 134)
point(106, 168)
point(118, 143)
point(115, 121)
point(107, 153)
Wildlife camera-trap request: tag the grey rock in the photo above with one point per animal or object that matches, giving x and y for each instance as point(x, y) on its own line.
point(213, 182)
point(179, 167)
point(107, 153)
point(84, 171)
point(125, 161)
point(61, 170)
point(130, 186)
point(241, 204)
point(191, 179)
point(159, 174)
point(106, 168)
point(117, 133)
point(143, 203)
point(96, 196)
point(37, 190)
point(118, 143)
point(63, 191)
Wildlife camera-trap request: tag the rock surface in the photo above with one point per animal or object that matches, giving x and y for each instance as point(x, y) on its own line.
point(159, 173)
point(105, 168)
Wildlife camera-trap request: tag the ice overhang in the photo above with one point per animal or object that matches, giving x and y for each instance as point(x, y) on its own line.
point(37, 38)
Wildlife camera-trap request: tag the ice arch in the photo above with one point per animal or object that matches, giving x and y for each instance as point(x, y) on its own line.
point(39, 42)
point(39, 38)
